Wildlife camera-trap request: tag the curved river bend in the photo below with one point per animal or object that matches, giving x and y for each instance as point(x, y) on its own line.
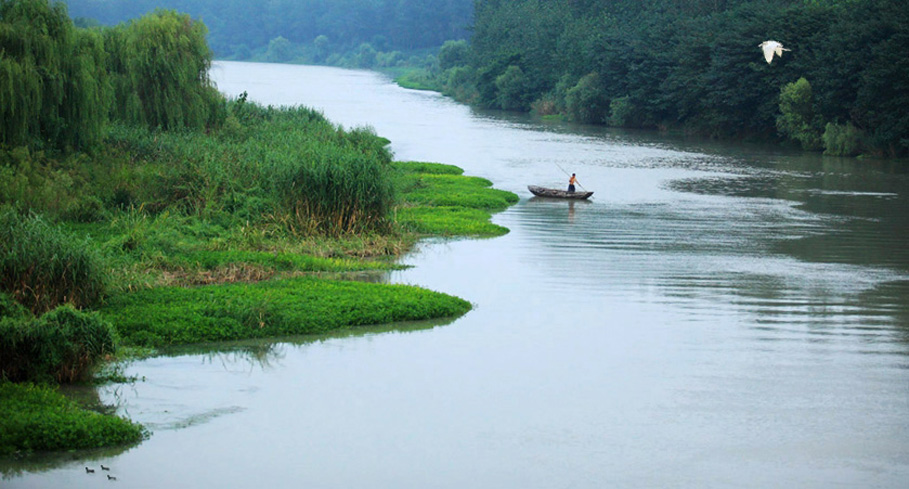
point(719, 315)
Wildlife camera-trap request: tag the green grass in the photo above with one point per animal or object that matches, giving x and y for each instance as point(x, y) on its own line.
point(39, 418)
point(437, 200)
point(197, 238)
point(304, 305)
point(426, 167)
point(448, 221)
point(415, 79)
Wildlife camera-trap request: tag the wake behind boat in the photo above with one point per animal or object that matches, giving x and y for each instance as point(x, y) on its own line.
point(556, 193)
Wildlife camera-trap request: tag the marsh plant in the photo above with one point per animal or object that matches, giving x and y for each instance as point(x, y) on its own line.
point(62, 345)
point(42, 267)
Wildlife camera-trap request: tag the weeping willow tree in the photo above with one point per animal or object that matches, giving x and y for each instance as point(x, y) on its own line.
point(53, 85)
point(159, 67)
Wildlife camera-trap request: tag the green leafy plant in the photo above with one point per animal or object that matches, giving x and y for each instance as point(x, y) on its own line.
point(38, 418)
point(42, 267)
point(62, 345)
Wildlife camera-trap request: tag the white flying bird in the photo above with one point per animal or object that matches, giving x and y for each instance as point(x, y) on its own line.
point(771, 47)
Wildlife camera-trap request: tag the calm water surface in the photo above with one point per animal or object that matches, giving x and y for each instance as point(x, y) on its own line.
point(719, 315)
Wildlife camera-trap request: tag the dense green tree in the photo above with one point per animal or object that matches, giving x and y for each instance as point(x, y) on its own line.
point(321, 45)
point(454, 53)
point(279, 50)
point(511, 89)
point(586, 102)
point(696, 65)
point(797, 118)
point(159, 65)
point(53, 86)
point(366, 56)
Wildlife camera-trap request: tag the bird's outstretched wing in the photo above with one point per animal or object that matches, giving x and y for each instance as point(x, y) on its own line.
point(770, 48)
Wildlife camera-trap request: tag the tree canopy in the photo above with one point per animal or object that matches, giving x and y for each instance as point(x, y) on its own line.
point(60, 85)
point(695, 64)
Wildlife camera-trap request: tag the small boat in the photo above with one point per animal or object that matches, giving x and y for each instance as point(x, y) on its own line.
point(556, 193)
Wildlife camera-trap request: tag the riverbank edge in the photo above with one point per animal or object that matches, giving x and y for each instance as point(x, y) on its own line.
point(431, 191)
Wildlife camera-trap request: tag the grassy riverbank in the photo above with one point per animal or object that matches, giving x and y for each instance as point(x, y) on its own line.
point(140, 207)
point(165, 273)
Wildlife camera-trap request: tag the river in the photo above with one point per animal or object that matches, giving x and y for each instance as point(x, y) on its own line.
point(718, 315)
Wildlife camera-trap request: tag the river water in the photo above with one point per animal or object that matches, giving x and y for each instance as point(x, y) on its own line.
point(718, 315)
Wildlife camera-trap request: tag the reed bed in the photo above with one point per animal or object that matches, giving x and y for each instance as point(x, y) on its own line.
point(42, 267)
point(61, 346)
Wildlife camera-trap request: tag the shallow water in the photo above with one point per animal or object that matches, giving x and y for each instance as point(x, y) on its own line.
point(718, 315)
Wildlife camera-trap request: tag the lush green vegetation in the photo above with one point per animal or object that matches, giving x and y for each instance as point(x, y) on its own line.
point(52, 86)
point(304, 305)
point(39, 418)
point(696, 66)
point(437, 200)
point(669, 64)
point(179, 216)
point(42, 267)
point(61, 346)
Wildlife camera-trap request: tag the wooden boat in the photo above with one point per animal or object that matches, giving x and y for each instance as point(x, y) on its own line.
point(556, 193)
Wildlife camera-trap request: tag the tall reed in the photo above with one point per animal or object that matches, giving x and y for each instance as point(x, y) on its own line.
point(41, 267)
point(62, 345)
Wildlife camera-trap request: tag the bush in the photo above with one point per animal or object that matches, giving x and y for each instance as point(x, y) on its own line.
point(623, 113)
point(797, 118)
point(587, 102)
point(842, 140)
point(41, 267)
point(10, 308)
point(511, 89)
point(459, 83)
point(38, 418)
point(63, 345)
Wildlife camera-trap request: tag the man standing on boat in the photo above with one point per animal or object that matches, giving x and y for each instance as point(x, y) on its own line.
point(571, 181)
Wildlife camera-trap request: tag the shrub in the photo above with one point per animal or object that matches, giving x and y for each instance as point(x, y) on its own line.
point(587, 102)
point(842, 140)
point(10, 308)
point(62, 345)
point(797, 118)
point(511, 89)
point(623, 113)
point(41, 267)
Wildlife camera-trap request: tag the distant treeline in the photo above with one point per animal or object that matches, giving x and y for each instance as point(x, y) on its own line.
point(241, 27)
point(696, 65)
